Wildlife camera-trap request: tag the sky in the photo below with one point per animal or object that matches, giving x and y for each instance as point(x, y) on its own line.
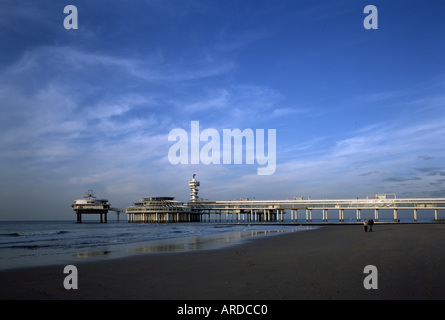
point(357, 111)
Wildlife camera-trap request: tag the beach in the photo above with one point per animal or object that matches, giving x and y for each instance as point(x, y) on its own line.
point(326, 263)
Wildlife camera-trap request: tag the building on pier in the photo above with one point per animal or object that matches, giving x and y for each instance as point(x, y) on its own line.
point(161, 209)
point(91, 205)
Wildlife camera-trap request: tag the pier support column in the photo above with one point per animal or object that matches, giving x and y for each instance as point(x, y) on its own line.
point(415, 215)
point(296, 215)
point(395, 215)
point(341, 215)
point(307, 215)
point(435, 214)
point(359, 215)
point(325, 215)
point(376, 218)
point(310, 215)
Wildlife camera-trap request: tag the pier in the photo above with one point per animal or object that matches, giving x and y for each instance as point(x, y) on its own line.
point(249, 210)
point(275, 210)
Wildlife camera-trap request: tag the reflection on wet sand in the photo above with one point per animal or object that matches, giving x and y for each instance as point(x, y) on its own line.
point(195, 243)
point(91, 254)
point(199, 243)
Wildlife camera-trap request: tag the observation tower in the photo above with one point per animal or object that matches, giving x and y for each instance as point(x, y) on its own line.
point(193, 188)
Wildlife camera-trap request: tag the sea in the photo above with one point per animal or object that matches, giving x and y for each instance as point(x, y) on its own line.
point(41, 243)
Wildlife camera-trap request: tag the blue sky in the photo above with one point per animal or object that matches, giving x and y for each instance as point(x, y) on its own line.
point(357, 112)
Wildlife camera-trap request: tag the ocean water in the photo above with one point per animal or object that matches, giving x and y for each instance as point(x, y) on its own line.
point(41, 243)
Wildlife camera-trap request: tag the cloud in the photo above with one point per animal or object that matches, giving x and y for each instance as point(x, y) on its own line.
point(426, 157)
point(438, 171)
point(401, 179)
point(56, 119)
point(71, 65)
point(231, 106)
point(236, 40)
point(438, 183)
point(369, 173)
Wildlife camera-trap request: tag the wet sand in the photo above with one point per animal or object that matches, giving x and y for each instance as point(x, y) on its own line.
point(327, 263)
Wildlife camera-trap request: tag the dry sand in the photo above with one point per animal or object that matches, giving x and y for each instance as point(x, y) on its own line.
point(326, 263)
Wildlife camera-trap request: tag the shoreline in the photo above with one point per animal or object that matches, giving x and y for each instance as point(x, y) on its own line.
point(325, 263)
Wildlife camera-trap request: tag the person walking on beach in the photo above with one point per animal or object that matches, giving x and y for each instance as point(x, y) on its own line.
point(366, 225)
point(370, 223)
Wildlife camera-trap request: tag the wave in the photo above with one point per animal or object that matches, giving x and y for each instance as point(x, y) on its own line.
point(33, 234)
point(30, 247)
point(14, 234)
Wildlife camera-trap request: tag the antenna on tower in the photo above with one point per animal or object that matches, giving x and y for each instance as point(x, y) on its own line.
point(90, 194)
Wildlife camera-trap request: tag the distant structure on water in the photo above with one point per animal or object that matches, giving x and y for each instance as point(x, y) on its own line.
point(90, 205)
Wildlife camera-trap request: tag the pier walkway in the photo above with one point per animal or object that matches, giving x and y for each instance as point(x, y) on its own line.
point(248, 210)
